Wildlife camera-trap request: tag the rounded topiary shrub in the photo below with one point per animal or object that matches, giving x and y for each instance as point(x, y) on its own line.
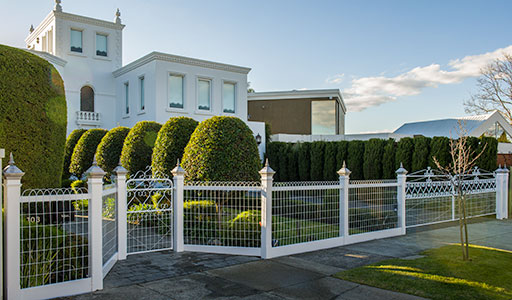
point(110, 147)
point(170, 144)
point(71, 141)
point(33, 116)
point(84, 151)
point(138, 146)
point(222, 149)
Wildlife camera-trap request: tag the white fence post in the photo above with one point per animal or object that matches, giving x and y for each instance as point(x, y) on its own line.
point(12, 191)
point(344, 173)
point(95, 186)
point(2, 155)
point(267, 175)
point(502, 193)
point(179, 183)
point(401, 178)
point(122, 227)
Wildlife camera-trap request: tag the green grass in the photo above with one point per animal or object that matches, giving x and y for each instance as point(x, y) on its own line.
point(442, 274)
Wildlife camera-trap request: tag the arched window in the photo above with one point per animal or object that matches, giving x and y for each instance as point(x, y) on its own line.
point(86, 99)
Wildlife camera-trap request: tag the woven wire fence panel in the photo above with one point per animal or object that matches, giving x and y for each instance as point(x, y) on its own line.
point(479, 204)
point(372, 208)
point(54, 244)
point(149, 214)
point(428, 210)
point(109, 220)
point(222, 214)
point(305, 214)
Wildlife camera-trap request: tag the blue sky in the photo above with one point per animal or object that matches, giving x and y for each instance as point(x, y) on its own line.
point(393, 60)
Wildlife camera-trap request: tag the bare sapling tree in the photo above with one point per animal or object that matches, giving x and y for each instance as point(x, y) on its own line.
point(463, 160)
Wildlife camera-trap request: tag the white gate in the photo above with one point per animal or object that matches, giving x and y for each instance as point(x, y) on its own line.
point(149, 213)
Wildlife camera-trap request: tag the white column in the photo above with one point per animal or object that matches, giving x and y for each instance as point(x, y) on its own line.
point(267, 175)
point(95, 185)
point(502, 193)
point(12, 194)
point(344, 174)
point(179, 183)
point(122, 202)
point(401, 178)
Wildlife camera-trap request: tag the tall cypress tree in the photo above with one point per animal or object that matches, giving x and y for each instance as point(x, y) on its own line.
point(372, 165)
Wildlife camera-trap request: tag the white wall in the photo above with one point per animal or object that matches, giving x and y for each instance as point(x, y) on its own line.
point(259, 128)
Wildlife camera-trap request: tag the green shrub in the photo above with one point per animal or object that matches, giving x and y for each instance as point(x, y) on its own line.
point(283, 162)
point(404, 150)
point(268, 135)
point(222, 149)
point(273, 152)
point(138, 146)
point(84, 151)
point(488, 159)
point(330, 154)
point(473, 144)
point(33, 116)
point(199, 220)
point(317, 161)
point(388, 159)
point(293, 168)
point(170, 144)
point(440, 149)
point(341, 154)
point(372, 165)
point(304, 165)
point(420, 155)
point(244, 230)
point(71, 141)
point(109, 149)
point(355, 159)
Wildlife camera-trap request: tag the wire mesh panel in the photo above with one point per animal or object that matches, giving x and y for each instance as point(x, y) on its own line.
point(305, 212)
point(428, 202)
point(149, 213)
point(109, 220)
point(372, 206)
point(54, 246)
point(222, 214)
point(480, 204)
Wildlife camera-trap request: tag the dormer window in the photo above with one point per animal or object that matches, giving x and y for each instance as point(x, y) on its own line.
point(101, 44)
point(76, 41)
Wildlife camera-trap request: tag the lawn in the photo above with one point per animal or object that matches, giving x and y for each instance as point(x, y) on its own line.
point(441, 274)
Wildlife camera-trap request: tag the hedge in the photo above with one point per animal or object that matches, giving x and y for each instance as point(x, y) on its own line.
point(488, 159)
point(330, 153)
point(292, 159)
point(317, 160)
point(84, 151)
point(372, 164)
point(138, 146)
point(388, 159)
point(71, 141)
point(404, 149)
point(170, 143)
point(109, 149)
point(355, 159)
point(304, 156)
point(33, 116)
point(420, 155)
point(342, 154)
point(222, 149)
point(440, 149)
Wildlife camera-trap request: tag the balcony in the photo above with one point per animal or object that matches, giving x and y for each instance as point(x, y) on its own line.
point(88, 118)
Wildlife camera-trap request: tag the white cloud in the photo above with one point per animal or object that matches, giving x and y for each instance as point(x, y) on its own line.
point(372, 91)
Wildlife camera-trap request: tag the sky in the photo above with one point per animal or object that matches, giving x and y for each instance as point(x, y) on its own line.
point(394, 61)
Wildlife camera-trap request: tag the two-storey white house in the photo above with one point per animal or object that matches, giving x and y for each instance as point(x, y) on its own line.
point(103, 93)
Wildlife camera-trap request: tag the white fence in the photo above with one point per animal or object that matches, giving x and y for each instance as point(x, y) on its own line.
point(68, 240)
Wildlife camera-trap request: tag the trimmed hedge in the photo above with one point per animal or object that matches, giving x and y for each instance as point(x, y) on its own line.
point(440, 149)
point(293, 163)
point(355, 159)
point(71, 141)
point(330, 153)
point(84, 151)
point(33, 116)
point(488, 159)
point(388, 159)
point(372, 164)
point(222, 149)
point(420, 155)
point(341, 154)
point(317, 160)
point(404, 149)
point(109, 149)
point(170, 144)
point(304, 157)
point(138, 146)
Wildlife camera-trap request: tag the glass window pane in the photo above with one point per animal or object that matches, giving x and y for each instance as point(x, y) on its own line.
point(228, 97)
point(323, 117)
point(101, 45)
point(126, 98)
point(76, 41)
point(142, 104)
point(204, 95)
point(175, 91)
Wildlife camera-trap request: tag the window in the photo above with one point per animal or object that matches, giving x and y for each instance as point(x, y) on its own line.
point(101, 44)
point(76, 41)
point(228, 97)
point(86, 99)
point(141, 85)
point(323, 117)
point(204, 94)
point(126, 98)
point(175, 91)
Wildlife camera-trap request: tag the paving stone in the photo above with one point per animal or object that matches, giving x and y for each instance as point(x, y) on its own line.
point(308, 265)
point(132, 292)
point(368, 292)
point(323, 288)
point(342, 257)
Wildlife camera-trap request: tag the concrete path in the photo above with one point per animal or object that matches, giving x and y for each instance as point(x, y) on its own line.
point(169, 275)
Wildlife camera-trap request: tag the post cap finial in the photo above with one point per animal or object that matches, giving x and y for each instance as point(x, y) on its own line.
point(58, 7)
point(11, 170)
point(344, 171)
point(178, 170)
point(401, 170)
point(31, 28)
point(95, 170)
point(117, 20)
point(120, 170)
point(267, 170)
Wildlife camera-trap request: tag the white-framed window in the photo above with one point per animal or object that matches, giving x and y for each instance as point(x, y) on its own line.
point(142, 101)
point(126, 98)
point(101, 45)
point(204, 94)
point(175, 91)
point(228, 97)
point(76, 41)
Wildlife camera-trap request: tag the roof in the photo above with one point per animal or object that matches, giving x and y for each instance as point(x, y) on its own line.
point(474, 125)
point(297, 94)
point(181, 60)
